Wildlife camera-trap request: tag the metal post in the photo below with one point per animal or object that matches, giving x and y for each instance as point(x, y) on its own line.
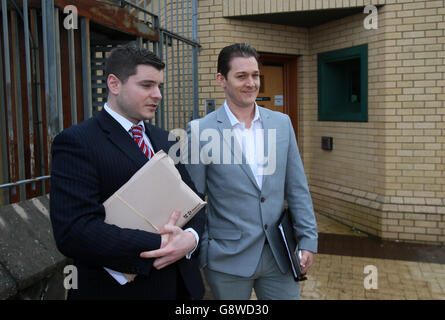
point(161, 56)
point(29, 90)
point(3, 133)
point(157, 48)
point(159, 12)
point(145, 8)
point(178, 89)
point(58, 67)
point(189, 84)
point(172, 82)
point(51, 87)
point(18, 102)
point(177, 17)
point(38, 99)
point(166, 104)
point(183, 106)
point(188, 20)
point(86, 67)
point(72, 68)
point(7, 65)
point(139, 42)
point(195, 60)
point(189, 75)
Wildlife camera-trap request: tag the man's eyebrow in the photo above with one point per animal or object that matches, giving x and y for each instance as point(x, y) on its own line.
point(147, 81)
point(244, 72)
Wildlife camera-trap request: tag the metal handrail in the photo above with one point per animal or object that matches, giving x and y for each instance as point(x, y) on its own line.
point(12, 184)
point(131, 4)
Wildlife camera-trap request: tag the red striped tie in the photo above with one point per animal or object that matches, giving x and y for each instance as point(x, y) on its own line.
point(138, 137)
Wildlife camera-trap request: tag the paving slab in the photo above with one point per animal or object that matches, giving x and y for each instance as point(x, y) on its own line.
point(28, 250)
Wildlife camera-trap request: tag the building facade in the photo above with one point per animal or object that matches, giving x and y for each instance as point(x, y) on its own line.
point(362, 81)
point(385, 174)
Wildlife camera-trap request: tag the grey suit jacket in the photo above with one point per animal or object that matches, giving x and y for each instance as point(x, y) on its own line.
point(240, 215)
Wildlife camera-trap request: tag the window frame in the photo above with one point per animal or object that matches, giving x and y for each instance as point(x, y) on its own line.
point(325, 112)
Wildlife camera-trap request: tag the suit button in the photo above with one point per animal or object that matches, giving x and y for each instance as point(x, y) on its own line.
point(262, 199)
point(265, 227)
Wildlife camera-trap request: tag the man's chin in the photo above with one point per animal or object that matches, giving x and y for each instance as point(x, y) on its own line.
point(249, 102)
point(149, 115)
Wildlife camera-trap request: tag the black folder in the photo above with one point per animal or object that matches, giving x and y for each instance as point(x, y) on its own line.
point(290, 245)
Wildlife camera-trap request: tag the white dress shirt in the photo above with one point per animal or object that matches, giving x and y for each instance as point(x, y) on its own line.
point(251, 141)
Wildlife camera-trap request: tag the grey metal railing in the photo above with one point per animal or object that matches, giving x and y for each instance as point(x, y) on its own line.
point(178, 47)
point(40, 95)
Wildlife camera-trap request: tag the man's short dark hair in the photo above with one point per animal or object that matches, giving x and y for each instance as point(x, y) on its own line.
point(232, 51)
point(123, 61)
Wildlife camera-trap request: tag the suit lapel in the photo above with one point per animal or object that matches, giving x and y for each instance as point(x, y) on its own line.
point(267, 125)
point(223, 123)
point(120, 138)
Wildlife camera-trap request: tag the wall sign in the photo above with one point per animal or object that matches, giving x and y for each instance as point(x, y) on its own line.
point(262, 99)
point(279, 100)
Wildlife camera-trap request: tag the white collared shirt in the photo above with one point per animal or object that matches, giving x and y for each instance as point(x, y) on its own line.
point(251, 141)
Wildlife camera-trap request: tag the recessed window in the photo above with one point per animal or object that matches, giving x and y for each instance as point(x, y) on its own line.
point(343, 85)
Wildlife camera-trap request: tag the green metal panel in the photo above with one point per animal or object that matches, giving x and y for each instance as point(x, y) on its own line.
point(340, 97)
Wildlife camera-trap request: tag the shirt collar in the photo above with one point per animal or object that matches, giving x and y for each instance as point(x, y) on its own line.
point(125, 123)
point(234, 121)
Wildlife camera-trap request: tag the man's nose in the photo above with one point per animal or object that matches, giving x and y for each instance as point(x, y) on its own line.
point(156, 93)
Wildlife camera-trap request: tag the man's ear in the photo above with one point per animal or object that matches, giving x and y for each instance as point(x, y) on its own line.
point(113, 84)
point(221, 80)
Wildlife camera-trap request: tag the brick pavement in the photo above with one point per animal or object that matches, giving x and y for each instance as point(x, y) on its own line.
point(417, 273)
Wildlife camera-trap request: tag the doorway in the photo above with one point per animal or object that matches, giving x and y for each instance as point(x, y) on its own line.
point(278, 90)
point(271, 94)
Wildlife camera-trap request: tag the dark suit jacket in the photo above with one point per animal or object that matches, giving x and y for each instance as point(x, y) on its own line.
point(90, 161)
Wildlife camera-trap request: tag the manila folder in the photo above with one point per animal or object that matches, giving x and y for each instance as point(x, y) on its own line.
point(148, 199)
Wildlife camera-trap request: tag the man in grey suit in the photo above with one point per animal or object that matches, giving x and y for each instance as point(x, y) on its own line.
point(246, 160)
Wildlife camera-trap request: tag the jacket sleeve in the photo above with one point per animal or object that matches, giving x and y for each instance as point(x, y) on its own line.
point(196, 174)
point(77, 215)
point(198, 221)
point(195, 167)
point(299, 198)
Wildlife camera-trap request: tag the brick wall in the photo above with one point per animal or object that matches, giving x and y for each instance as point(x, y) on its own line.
point(415, 191)
point(216, 32)
point(386, 176)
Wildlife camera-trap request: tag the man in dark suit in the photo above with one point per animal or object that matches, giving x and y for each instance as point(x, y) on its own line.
point(93, 159)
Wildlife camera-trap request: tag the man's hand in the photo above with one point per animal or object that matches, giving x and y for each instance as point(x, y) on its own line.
point(306, 260)
point(175, 244)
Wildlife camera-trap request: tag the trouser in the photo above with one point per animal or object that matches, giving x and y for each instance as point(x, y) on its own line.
point(268, 281)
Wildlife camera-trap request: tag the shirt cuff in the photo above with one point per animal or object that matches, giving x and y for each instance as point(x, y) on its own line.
point(189, 255)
